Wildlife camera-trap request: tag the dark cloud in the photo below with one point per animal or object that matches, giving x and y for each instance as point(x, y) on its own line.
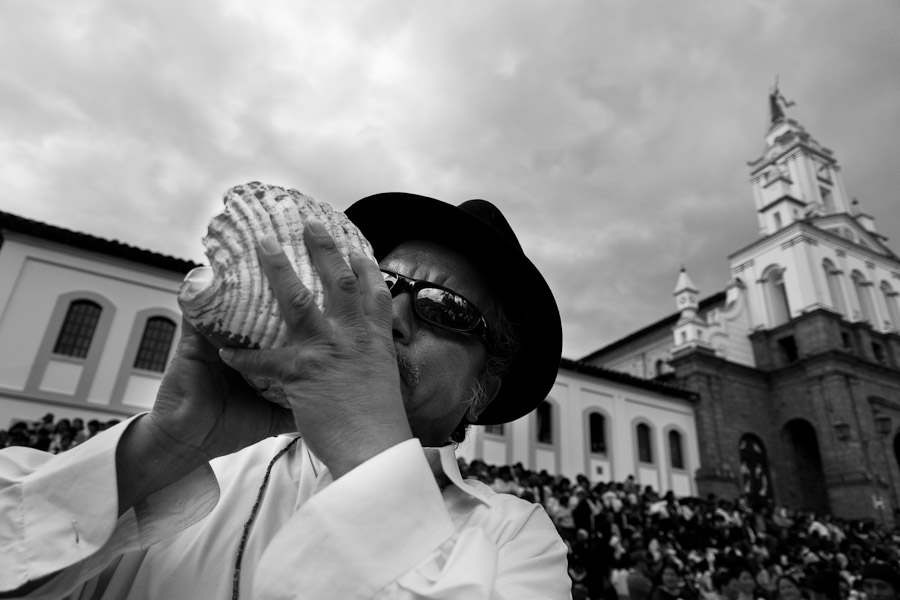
point(615, 135)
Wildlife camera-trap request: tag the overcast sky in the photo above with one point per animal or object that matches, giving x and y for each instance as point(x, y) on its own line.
point(614, 135)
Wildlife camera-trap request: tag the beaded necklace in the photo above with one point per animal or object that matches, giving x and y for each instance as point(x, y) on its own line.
point(246, 534)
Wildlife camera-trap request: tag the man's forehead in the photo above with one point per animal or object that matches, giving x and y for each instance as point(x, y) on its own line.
point(430, 261)
point(425, 257)
point(422, 250)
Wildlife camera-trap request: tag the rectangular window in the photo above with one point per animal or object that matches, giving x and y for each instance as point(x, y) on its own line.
point(78, 329)
point(597, 425)
point(789, 348)
point(645, 447)
point(544, 416)
point(675, 450)
point(153, 353)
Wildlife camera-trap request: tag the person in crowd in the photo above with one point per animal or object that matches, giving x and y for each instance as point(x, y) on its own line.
point(62, 438)
point(824, 585)
point(670, 584)
point(788, 588)
point(880, 581)
point(724, 585)
point(745, 575)
point(640, 577)
point(79, 434)
point(211, 495)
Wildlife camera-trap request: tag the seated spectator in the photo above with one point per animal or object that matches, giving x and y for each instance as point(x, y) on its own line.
point(503, 482)
point(93, 428)
point(62, 437)
point(788, 588)
point(745, 575)
point(640, 584)
point(78, 430)
point(725, 585)
point(824, 585)
point(671, 584)
point(880, 582)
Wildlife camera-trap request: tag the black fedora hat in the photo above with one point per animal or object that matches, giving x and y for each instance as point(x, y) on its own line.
point(479, 231)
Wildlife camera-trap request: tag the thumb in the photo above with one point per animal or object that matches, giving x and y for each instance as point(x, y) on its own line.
point(193, 345)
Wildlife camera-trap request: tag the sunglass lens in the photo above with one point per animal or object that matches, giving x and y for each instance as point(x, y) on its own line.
point(446, 309)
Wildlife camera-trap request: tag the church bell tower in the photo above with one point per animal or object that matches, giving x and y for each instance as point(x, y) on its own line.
point(796, 177)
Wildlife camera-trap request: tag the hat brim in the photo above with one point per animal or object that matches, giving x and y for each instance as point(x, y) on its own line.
point(390, 219)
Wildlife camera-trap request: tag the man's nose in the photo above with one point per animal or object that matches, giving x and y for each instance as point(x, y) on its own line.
point(404, 319)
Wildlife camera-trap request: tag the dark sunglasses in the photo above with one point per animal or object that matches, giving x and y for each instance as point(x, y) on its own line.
point(440, 306)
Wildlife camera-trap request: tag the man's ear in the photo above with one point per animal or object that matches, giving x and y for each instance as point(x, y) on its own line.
point(491, 389)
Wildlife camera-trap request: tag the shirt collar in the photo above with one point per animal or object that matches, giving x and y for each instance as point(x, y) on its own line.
point(442, 461)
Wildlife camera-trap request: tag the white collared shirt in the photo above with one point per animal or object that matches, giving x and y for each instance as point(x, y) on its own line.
point(383, 530)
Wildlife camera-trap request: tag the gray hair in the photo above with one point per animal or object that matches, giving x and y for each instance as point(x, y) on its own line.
point(500, 357)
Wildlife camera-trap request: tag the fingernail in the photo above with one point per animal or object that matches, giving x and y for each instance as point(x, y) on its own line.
point(226, 354)
point(198, 279)
point(316, 227)
point(269, 244)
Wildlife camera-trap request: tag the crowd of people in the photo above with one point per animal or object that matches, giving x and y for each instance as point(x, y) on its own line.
point(627, 542)
point(51, 435)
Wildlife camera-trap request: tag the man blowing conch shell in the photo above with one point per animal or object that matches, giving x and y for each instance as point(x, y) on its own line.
point(351, 489)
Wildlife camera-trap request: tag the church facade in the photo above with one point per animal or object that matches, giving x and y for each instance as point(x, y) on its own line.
point(796, 364)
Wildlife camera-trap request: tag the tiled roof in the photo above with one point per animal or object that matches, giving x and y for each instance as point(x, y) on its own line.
point(11, 222)
point(616, 376)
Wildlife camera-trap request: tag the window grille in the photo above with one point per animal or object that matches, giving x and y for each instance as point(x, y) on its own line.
point(677, 457)
point(645, 448)
point(78, 329)
point(153, 353)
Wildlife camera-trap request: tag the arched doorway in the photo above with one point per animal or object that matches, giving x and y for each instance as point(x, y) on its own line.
point(804, 478)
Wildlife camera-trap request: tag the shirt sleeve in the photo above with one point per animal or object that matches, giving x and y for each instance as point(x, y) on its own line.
point(383, 531)
point(58, 513)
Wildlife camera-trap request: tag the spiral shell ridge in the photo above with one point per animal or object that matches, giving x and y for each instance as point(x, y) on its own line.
point(235, 306)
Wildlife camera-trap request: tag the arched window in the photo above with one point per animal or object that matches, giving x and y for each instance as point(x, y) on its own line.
point(597, 426)
point(645, 444)
point(862, 294)
point(675, 450)
point(773, 279)
point(545, 423)
point(153, 353)
point(78, 329)
point(833, 278)
point(890, 300)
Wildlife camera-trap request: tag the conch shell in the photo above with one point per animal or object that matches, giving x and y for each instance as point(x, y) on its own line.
point(230, 302)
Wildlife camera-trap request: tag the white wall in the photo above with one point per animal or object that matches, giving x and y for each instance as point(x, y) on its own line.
point(575, 395)
point(35, 274)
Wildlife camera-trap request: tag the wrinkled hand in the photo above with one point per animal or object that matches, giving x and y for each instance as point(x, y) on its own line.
point(206, 407)
point(339, 369)
point(203, 410)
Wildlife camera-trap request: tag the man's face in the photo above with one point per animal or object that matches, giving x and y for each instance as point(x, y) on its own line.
point(438, 368)
point(876, 589)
